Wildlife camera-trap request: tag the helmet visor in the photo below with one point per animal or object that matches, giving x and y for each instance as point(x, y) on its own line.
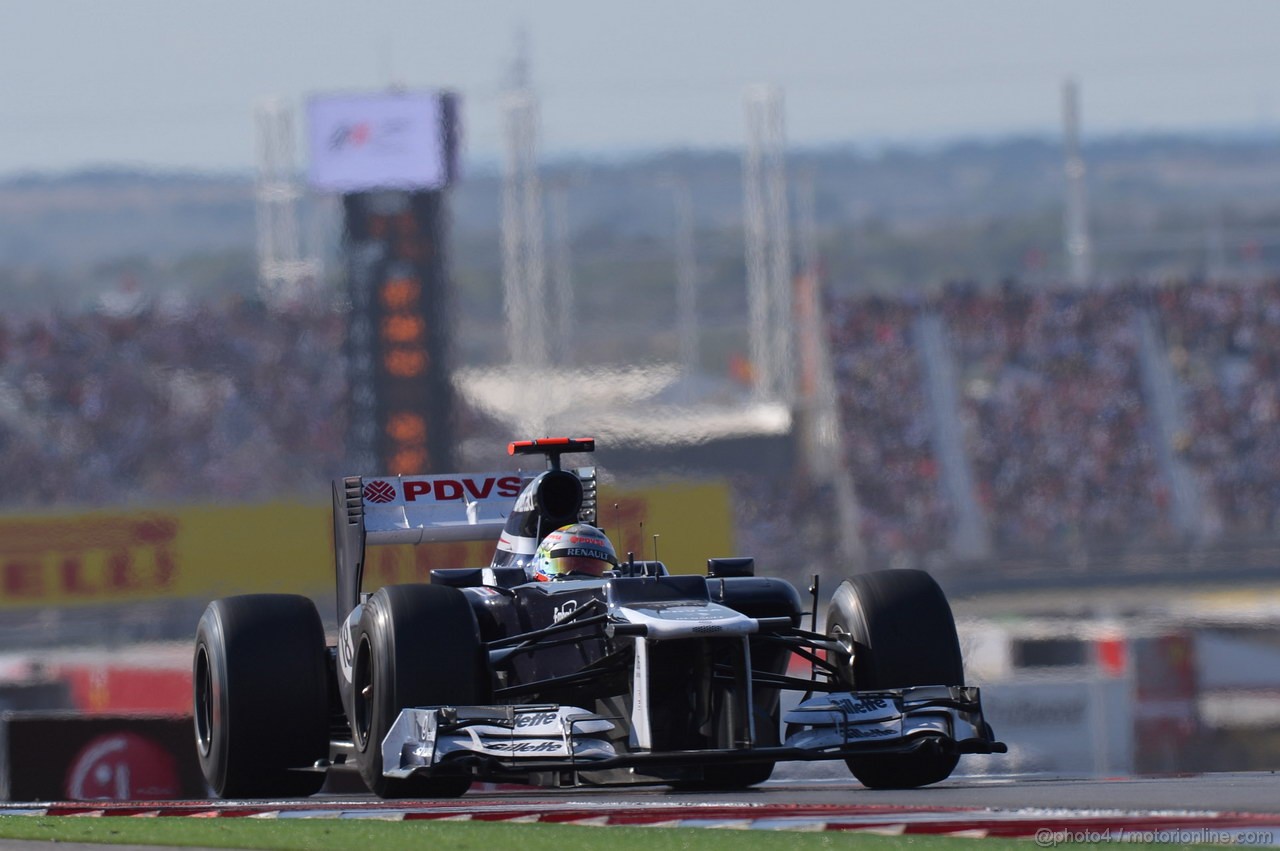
point(583, 565)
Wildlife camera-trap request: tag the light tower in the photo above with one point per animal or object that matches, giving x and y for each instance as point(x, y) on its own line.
point(815, 389)
point(283, 273)
point(816, 396)
point(1079, 248)
point(768, 244)
point(686, 285)
point(524, 277)
point(562, 336)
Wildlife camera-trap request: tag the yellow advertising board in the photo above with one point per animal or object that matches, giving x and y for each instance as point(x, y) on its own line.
point(203, 552)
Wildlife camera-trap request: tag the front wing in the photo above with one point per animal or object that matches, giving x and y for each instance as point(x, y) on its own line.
point(501, 742)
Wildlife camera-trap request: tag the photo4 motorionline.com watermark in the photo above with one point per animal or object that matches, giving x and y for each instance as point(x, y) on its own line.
point(1051, 838)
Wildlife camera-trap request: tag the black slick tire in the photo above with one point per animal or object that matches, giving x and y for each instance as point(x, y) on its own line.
point(261, 696)
point(416, 645)
point(900, 631)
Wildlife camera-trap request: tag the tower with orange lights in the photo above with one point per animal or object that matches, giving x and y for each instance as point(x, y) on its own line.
point(393, 158)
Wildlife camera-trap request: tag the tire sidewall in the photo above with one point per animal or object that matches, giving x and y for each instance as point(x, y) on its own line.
point(262, 663)
point(210, 676)
point(373, 669)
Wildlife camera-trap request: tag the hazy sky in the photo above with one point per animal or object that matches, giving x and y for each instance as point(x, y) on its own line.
point(172, 84)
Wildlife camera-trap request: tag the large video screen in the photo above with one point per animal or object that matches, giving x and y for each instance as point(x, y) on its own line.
point(398, 140)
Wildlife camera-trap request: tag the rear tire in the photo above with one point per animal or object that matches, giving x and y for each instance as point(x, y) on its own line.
point(899, 630)
point(261, 696)
point(417, 645)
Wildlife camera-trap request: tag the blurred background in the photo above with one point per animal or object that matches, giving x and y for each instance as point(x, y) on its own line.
point(989, 290)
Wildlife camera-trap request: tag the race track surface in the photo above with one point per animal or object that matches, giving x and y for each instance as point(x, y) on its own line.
point(1240, 808)
point(1254, 792)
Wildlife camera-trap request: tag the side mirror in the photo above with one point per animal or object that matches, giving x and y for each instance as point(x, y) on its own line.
point(720, 568)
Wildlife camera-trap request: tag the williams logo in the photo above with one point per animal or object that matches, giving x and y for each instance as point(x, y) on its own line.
point(564, 612)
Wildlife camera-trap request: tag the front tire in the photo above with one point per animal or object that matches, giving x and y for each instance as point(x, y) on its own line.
point(417, 645)
point(261, 696)
point(899, 632)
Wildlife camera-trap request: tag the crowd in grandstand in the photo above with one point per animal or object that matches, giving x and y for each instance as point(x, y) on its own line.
point(144, 405)
point(1224, 343)
point(887, 426)
point(234, 401)
point(1056, 428)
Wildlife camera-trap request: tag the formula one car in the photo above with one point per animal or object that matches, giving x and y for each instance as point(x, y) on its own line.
point(637, 676)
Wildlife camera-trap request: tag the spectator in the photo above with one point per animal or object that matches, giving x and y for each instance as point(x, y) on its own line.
point(887, 427)
point(1056, 426)
point(1224, 343)
point(215, 402)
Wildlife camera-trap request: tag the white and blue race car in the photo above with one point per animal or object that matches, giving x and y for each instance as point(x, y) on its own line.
point(638, 676)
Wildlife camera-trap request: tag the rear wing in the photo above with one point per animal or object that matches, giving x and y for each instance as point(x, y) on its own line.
point(417, 509)
point(375, 510)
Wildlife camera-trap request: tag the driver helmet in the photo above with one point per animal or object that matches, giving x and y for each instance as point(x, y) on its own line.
point(578, 549)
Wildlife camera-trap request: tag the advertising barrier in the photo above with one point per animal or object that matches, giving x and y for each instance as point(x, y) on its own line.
point(108, 557)
point(62, 756)
point(204, 552)
point(1063, 725)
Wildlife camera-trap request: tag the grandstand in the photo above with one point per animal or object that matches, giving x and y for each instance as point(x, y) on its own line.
point(1081, 427)
point(216, 402)
point(1103, 430)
